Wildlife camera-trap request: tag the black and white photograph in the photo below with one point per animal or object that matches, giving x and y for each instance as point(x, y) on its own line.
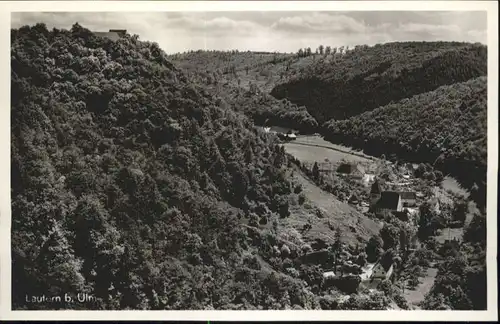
point(250, 160)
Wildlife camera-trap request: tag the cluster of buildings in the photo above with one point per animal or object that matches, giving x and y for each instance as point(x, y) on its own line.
point(402, 203)
point(288, 136)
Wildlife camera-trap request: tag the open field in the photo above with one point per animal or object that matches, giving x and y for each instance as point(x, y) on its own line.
point(450, 234)
point(414, 297)
point(334, 214)
point(312, 149)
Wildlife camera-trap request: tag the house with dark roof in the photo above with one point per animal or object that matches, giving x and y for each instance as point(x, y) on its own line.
point(409, 198)
point(382, 271)
point(389, 200)
point(113, 34)
point(351, 169)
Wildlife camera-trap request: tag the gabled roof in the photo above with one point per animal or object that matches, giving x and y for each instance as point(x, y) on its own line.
point(388, 200)
point(350, 168)
point(113, 34)
point(386, 267)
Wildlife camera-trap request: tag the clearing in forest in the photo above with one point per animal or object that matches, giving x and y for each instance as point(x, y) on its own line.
point(325, 214)
point(415, 297)
point(315, 149)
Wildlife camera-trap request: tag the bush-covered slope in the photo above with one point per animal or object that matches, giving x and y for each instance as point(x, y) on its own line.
point(264, 109)
point(133, 185)
point(446, 127)
point(365, 78)
point(241, 79)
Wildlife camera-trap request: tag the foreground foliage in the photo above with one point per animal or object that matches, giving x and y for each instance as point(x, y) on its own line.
point(133, 185)
point(461, 280)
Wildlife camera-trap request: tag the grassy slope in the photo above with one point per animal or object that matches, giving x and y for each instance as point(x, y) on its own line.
point(211, 71)
point(354, 226)
point(264, 69)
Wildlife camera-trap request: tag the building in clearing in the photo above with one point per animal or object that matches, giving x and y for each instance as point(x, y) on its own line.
point(351, 169)
point(113, 34)
point(382, 271)
point(287, 137)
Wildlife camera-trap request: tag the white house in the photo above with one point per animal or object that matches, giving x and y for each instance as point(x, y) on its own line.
point(382, 272)
point(329, 274)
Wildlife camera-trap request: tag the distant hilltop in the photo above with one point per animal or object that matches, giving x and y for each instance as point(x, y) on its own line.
point(113, 34)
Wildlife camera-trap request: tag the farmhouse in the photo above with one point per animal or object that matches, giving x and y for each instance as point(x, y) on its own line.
point(354, 170)
point(368, 178)
point(389, 200)
point(113, 34)
point(382, 271)
point(409, 198)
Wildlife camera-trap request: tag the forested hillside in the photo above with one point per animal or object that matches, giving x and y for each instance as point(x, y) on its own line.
point(364, 78)
point(140, 178)
point(133, 185)
point(446, 127)
point(244, 79)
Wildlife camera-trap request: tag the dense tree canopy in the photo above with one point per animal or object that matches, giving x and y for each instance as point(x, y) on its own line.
point(140, 178)
point(446, 127)
point(365, 78)
point(132, 184)
point(461, 280)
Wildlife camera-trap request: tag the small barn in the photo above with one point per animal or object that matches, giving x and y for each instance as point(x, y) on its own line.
point(382, 271)
point(351, 169)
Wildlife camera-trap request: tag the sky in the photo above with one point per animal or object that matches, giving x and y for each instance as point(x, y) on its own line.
point(273, 31)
